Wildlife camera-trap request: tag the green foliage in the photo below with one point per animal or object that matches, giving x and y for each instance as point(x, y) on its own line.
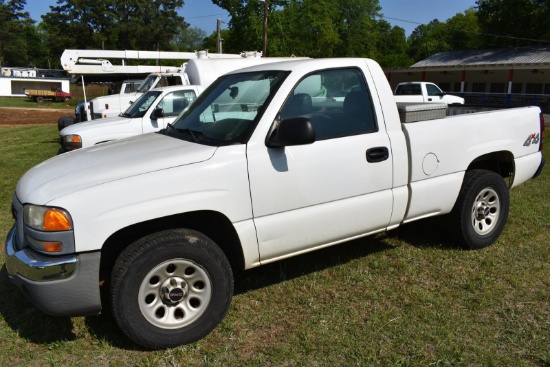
point(19, 40)
point(191, 38)
point(112, 24)
point(514, 23)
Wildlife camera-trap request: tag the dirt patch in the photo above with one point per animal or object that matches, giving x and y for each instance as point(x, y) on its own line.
point(13, 116)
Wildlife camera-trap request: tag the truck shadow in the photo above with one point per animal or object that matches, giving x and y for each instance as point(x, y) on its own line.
point(33, 325)
point(433, 232)
point(29, 322)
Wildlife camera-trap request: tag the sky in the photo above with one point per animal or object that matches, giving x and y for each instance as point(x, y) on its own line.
point(407, 14)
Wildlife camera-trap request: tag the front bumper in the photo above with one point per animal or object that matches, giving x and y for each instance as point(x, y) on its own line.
point(58, 285)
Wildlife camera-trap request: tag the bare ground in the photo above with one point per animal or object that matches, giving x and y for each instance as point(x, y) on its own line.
point(14, 116)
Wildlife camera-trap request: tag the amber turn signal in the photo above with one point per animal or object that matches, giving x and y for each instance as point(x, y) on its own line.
point(56, 220)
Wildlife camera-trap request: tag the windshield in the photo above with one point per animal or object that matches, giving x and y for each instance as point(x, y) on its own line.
point(147, 83)
point(141, 105)
point(227, 112)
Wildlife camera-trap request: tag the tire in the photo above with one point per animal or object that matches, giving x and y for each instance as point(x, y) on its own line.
point(481, 210)
point(39, 99)
point(64, 121)
point(66, 99)
point(170, 288)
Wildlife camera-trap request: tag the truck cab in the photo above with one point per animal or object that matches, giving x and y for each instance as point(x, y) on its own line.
point(424, 92)
point(117, 89)
point(151, 112)
point(111, 106)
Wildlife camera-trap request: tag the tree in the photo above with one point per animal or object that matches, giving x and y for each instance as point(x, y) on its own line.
point(191, 39)
point(315, 28)
point(515, 22)
point(462, 32)
point(18, 36)
point(112, 24)
point(391, 46)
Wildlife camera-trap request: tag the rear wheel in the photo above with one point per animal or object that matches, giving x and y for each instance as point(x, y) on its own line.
point(39, 99)
point(481, 209)
point(170, 288)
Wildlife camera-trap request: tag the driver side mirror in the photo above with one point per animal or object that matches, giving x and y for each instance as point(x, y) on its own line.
point(292, 131)
point(157, 113)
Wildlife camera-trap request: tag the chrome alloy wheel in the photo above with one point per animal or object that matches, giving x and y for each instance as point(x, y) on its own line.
point(485, 211)
point(174, 293)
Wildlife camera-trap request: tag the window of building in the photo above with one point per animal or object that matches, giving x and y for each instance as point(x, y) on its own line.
point(457, 87)
point(498, 88)
point(445, 87)
point(547, 89)
point(534, 88)
point(516, 88)
point(478, 87)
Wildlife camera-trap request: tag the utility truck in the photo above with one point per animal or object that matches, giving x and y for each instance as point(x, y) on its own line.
point(96, 65)
point(200, 71)
point(269, 162)
point(424, 92)
point(117, 89)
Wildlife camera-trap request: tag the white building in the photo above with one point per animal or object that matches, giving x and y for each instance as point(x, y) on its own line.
point(507, 76)
point(14, 81)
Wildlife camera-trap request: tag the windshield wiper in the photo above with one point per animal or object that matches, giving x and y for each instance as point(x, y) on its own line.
point(194, 134)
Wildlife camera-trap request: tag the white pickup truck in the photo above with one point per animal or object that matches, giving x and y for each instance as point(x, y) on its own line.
point(424, 92)
point(151, 112)
point(254, 171)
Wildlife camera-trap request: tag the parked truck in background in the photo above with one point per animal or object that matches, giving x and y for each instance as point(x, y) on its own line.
point(55, 94)
point(151, 112)
point(117, 89)
point(424, 92)
point(271, 161)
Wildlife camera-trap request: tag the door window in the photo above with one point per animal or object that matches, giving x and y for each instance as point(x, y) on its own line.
point(336, 101)
point(433, 90)
point(173, 103)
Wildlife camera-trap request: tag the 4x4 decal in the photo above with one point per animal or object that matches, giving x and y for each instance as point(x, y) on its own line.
point(532, 139)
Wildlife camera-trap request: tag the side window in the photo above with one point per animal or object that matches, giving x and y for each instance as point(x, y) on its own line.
point(173, 103)
point(336, 101)
point(408, 90)
point(432, 90)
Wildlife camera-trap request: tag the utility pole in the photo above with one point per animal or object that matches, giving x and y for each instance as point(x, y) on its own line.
point(219, 36)
point(266, 11)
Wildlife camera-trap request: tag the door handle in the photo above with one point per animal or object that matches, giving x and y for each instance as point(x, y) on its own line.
point(429, 99)
point(377, 154)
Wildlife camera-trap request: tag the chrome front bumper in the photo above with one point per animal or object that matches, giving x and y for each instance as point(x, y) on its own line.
point(65, 285)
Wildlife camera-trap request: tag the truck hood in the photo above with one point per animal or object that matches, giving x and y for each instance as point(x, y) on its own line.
point(97, 165)
point(82, 127)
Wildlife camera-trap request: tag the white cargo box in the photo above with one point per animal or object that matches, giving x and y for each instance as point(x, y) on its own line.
point(414, 112)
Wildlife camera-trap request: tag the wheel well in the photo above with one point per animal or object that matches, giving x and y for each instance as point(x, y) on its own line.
point(212, 224)
point(499, 162)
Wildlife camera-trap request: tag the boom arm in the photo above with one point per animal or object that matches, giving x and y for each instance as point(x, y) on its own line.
point(96, 61)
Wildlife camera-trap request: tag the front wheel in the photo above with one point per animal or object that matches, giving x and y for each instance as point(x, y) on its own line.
point(481, 209)
point(170, 288)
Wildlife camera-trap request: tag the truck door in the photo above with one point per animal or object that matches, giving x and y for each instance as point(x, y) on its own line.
point(168, 108)
point(337, 188)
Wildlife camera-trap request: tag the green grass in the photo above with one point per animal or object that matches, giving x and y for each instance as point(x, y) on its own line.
point(405, 298)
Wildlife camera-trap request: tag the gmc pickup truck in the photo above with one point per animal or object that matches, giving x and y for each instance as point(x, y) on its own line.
point(254, 171)
point(423, 92)
point(151, 112)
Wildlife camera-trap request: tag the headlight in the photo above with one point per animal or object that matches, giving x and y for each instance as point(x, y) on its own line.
point(43, 218)
point(72, 142)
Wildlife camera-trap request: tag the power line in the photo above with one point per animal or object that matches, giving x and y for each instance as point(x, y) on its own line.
point(465, 31)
